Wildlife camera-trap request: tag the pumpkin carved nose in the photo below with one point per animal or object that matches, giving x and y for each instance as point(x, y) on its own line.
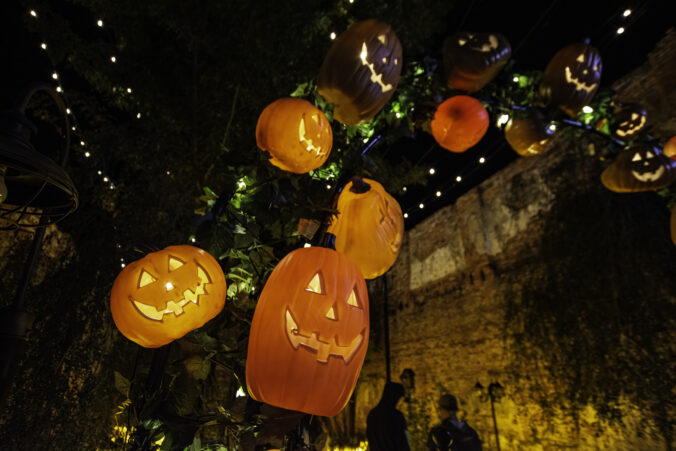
point(331, 314)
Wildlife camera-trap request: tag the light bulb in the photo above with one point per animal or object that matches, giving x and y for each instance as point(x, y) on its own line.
point(3, 187)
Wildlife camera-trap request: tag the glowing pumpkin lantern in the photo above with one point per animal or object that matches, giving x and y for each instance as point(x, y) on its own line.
point(309, 333)
point(628, 121)
point(297, 135)
point(670, 148)
point(361, 71)
point(640, 167)
point(369, 227)
point(471, 60)
point(459, 123)
point(167, 294)
point(529, 135)
point(572, 78)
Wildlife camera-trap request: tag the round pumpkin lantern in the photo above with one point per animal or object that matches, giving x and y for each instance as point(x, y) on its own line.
point(309, 333)
point(572, 78)
point(670, 148)
point(167, 294)
point(529, 135)
point(369, 227)
point(628, 121)
point(471, 60)
point(361, 71)
point(297, 135)
point(459, 123)
point(640, 167)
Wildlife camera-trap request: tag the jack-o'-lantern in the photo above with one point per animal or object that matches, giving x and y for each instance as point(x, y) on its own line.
point(369, 227)
point(572, 78)
point(670, 148)
point(640, 167)
point(167, 294)
point(529, 135)
point(628, 121)
point(471, 60)
point(297, 135)
point(309, 333)
point(459, 123)
point(361, 71)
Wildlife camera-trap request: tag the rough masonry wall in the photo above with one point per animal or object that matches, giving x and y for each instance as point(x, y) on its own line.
point(446, 291)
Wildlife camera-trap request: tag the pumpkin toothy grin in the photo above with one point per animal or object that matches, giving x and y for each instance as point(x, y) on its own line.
point(324, 349)
point(579, 85)
point(175, 307)
point(649, 176)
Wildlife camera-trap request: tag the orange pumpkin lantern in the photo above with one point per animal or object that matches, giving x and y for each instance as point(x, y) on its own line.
point(369, 227)
point(672, 225)
point(640, 167)
point(529, 135)
point(309, 333)
point(361, 71)
point(297, 135)
point(459, 123)
point(166, 294)
point(670, 148)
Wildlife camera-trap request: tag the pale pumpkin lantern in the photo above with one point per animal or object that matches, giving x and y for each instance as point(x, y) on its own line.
point(529, 135)
point(459, 123)
point(361, 71)
point(297, 135)
point(471, 60)
point(167, 294)
point(572, 78)
point(369, 226)
point(309, 333)
point(640, 167)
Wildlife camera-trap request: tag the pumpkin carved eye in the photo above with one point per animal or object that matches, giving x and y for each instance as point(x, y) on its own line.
point(175, 263)
point(145, 279)
point(353, 299)
point(316, 285)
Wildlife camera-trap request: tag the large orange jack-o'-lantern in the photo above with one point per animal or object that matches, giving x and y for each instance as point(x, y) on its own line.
point(309, 333)
point(369, 227)
point(297, 135)
point(167, 294)
point(361, 71)
point(640, 167)
point(572, 77)
point(459, 123)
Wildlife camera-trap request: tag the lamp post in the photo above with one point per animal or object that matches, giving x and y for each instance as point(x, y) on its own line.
point(31, 185)
point(495, 392)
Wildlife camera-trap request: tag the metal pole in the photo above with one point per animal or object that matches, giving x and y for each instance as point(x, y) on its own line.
point(387, 330)
point(495, 422)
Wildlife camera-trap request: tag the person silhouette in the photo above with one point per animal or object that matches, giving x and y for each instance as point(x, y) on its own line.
point(385, 425)
point(452, 434)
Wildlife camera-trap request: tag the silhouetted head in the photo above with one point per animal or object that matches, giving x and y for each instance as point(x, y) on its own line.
point(448, 403)
point(392, 393)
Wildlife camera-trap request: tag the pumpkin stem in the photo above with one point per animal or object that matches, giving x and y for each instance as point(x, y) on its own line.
point(359, 186)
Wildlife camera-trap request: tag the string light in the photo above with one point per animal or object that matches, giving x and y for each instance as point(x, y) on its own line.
point(99, 23)
point(333, 35)
point(129, 90)
point(138, 115)
point(398, 115)
point(366, 140)
point(328, 186)
point(87, 154)
point(168, 172)
point(68, 111)
point(626, 13)
point(192, 239)
point(438, 193)
point(113, 59)
point(482, 160)
point(99, 172)
point(404, 189)
point(405, 215)
point(502, 119)
point(432, 171)
point(43, 46)
point(552, 127)
point(122, 265)
point(587, 109)
point(59, 89)
point(55, 76)
point(33, 13)
point(82, 143)
point(620, 30)
point(241, 184)
point(458, 179)
point(515, 79)
point(105, 179)
point(421, 206)
point(307, 245)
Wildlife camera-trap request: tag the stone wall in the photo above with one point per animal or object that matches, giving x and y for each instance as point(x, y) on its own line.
point(446, 291)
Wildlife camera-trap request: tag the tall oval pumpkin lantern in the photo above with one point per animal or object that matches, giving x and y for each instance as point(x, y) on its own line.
point(369, 227)
point(670, 148)
point(361, 71)
point(529, 135)
point(459, 123)
point(309, 333)
point(572, 77)
point(167, 294)
point(297, 135)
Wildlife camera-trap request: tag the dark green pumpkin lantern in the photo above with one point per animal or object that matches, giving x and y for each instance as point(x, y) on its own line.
point(361, 71)
point(640, 167)
point(572, 78)
point(471, 60)
point(529, 135)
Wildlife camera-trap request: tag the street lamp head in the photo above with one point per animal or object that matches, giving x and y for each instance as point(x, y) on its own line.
point(496, 391)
